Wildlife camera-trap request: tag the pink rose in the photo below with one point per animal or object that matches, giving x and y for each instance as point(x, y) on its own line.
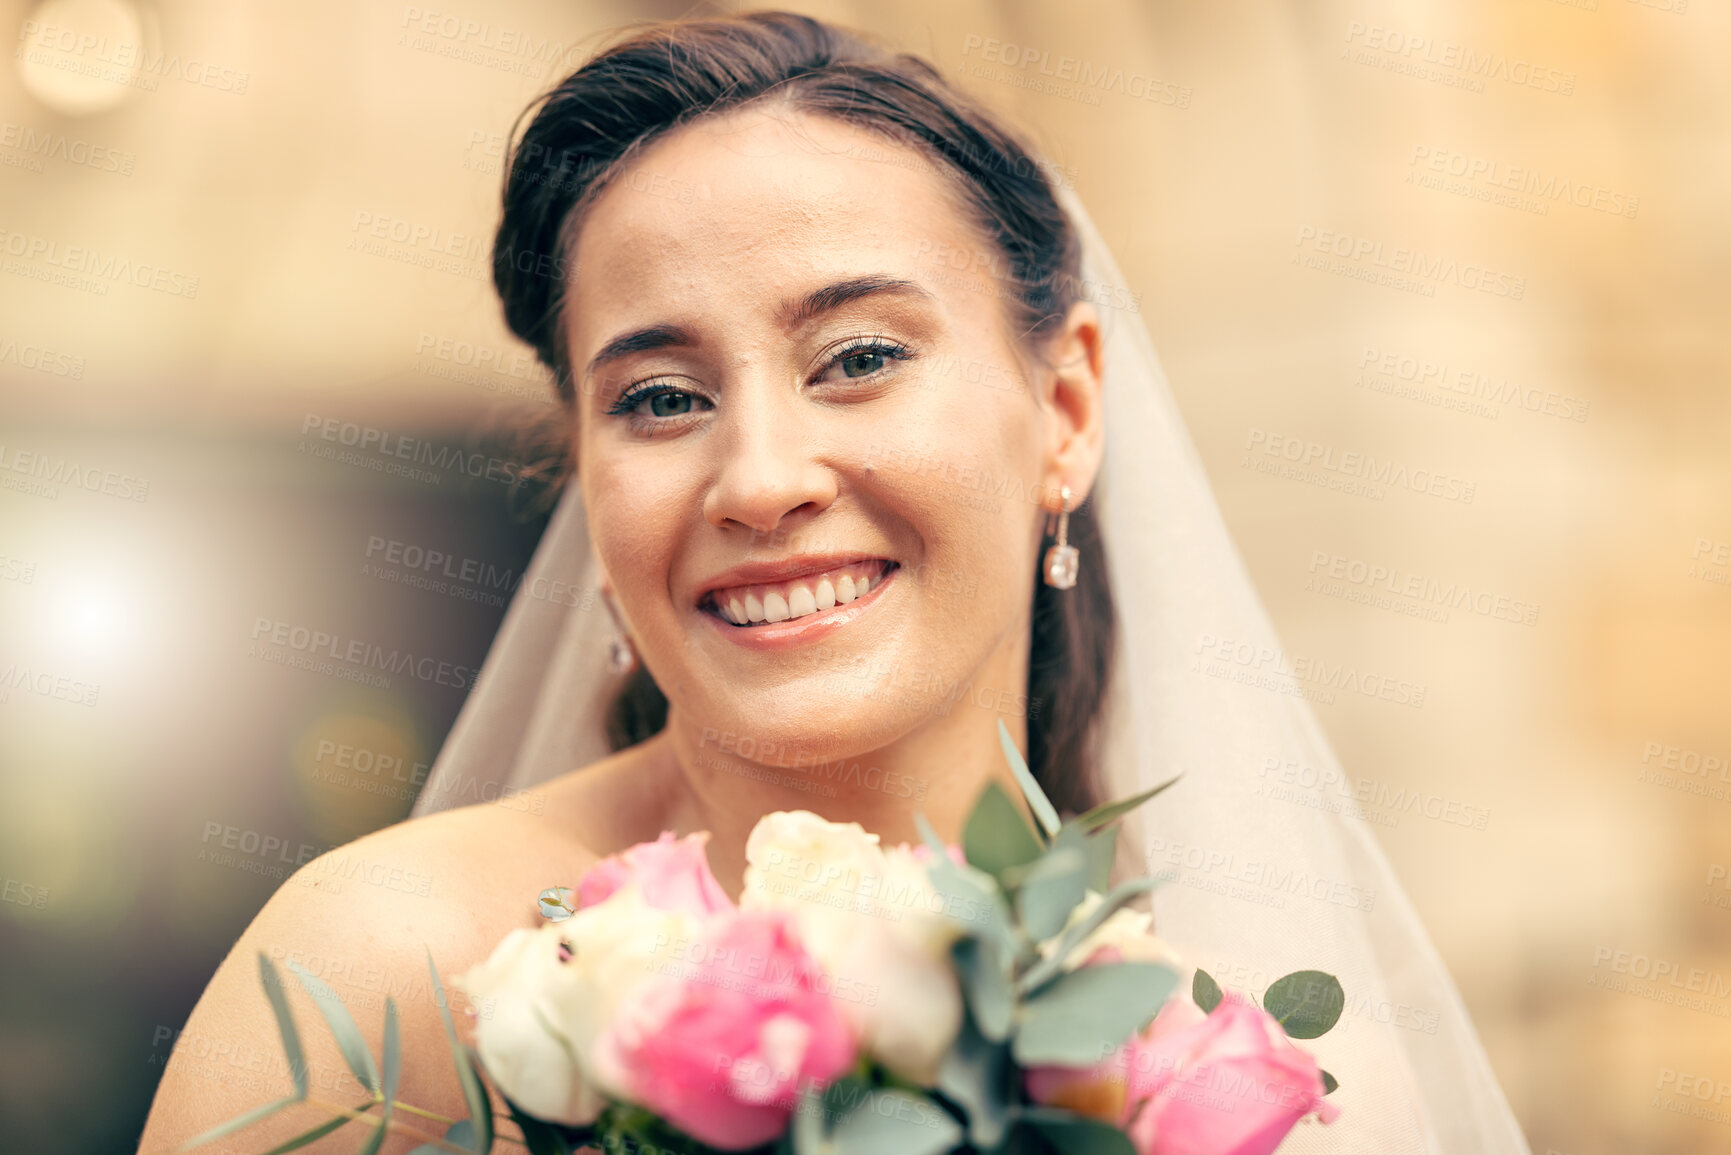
point(724, 1042)
point(672, 874)
point(1226, 1083)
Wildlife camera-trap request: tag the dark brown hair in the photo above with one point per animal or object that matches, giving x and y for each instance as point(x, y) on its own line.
point(580, 134)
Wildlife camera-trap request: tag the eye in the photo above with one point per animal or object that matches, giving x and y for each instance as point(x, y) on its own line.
point(866, 357)
point(862, 362)
point(669, 404)
point(657, 400)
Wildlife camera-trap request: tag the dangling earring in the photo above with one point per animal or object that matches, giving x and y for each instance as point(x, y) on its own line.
point(621, 654)
point(1062, 560)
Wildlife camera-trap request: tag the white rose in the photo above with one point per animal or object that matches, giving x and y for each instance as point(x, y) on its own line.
point(525, 1053)
point(866, 915)
point(548, 1013)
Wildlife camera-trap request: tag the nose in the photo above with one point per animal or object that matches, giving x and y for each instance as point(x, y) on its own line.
point(768, 475)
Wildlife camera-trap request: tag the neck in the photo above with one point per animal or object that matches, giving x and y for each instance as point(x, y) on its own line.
point(937, 769)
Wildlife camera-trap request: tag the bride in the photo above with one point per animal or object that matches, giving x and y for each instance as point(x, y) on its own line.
point(868, 456)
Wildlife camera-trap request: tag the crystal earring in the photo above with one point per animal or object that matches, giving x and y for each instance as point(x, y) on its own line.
point(1062, 560)
point(621, 655)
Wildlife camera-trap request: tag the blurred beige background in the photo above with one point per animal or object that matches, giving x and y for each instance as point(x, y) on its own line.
point(1485, 239)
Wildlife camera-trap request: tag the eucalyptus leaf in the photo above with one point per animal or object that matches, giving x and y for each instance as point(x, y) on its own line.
point(342, 1024)
point(238, 1122)
point(1329, 1084)
point(996, 837)
point(1055, 884)
point(1204, 991)
point(895, 1122)
point(1306, 1003)
point(841, 1098)
point(460, 1133)
point(977, 1075)
point(1102, 850)
point(393, 1061)
point(1073, 1134)
point(985, 982)
point(1109, 812)
point(480, 1105)
point(972, 902)
point(318, 1132)
point(540, 1138)
point(1044, 811)
point(285, 1023)
point(1086, 1014)
point(1049, 968)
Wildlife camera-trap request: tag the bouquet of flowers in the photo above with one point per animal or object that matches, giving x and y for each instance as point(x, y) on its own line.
point(865, 1000)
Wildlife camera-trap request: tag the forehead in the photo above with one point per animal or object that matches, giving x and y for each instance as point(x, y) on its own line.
point(761, 200)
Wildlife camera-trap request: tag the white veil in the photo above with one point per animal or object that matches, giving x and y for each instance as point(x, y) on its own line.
point(1270, 875)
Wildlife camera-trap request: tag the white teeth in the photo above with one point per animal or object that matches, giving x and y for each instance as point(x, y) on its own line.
point(796, 598)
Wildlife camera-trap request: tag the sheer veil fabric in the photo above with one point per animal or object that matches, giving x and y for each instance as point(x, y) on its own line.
point(1272, 872)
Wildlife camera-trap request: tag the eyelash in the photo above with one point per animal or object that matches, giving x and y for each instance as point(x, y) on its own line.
point(636, 395)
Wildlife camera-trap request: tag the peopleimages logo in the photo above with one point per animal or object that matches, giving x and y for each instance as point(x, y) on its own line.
point(315, 644)
point(1370, 260)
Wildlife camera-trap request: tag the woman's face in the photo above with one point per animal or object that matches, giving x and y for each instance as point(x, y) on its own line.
point(812, 467)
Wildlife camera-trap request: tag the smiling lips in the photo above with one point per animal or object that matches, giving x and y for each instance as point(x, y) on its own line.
point(797, 597)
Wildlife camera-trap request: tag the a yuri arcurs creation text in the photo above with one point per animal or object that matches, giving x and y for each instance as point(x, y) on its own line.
point(858, 999)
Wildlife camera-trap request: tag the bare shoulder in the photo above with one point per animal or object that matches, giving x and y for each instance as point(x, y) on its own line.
point(364, 918)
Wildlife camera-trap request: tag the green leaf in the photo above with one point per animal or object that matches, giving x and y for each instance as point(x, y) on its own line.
point(1205, 991)
point(1088, 1013)
point(1102, 851)
point(1109, 812)
point(1071, 1134)
point(841, 1098)
point(342, 1024)
point(977, 1075)
point(1306, 1003)
point(480, 1105)
point(540, 1138)
point(972, 902)
point(996, 836)
point(318, 1132)
point(238, 1122)
point(985, 978)
point(460, 1133)
point(1329, 1084)
point(1037, 800)
point(393, 1061)
point(285, 1023)
point(1055, 884)
point(1047, 969)
point(895, 1122)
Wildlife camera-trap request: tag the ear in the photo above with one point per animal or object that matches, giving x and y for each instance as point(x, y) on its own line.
point(1071, 392)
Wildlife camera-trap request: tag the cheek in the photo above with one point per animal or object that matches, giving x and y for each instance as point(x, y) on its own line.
point(971, 487)
point(627, 504)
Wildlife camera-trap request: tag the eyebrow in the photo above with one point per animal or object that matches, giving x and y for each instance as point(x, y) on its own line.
point(640, 341)
point(832, 297)
point(791, 314)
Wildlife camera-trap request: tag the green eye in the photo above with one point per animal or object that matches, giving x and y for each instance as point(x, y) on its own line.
point(862, 362)
point(670, 404)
